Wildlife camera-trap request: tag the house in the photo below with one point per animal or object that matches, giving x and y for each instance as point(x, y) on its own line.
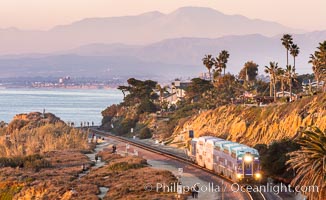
point(308, 86)
point(287, 94)
point(177, 93)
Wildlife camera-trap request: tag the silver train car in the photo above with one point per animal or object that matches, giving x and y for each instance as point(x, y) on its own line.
point(235, 161)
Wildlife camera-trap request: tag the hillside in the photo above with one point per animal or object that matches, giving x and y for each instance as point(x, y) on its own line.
point(254, 125)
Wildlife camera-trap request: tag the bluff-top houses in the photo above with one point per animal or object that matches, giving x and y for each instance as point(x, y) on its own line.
point(177, 92)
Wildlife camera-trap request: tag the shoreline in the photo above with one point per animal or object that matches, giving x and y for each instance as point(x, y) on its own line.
point(63, 88)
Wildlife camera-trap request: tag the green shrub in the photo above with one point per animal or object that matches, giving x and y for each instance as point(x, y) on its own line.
point(125, 126)
point(145, 133)
point(147, 106)
point(274, 157)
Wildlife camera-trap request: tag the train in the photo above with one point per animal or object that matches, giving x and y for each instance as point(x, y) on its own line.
point(232, 160)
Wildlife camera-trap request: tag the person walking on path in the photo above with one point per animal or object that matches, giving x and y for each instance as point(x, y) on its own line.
point(196, 191)
point(193, 192)
point(114, 149)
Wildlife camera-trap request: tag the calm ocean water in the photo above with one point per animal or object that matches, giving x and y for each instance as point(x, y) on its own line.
point(68, 104)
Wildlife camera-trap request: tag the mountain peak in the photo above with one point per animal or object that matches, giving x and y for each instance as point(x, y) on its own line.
point(152, 14)
point(196, 10)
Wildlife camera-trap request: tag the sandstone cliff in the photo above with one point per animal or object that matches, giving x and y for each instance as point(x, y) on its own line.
point(253, 125)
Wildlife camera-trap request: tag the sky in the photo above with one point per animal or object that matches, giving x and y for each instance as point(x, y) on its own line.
point(45, 14)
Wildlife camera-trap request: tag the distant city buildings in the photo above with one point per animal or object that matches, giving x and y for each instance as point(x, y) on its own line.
point(61, 82)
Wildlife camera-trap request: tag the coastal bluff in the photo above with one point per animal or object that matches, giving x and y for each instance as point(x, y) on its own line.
point(32, 120)
point(257, 125)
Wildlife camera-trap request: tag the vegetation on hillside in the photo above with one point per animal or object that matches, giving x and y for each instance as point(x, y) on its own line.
point(309, 162)
point(273, 159)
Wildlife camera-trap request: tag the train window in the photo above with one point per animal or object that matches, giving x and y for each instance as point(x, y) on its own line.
point(247, 166)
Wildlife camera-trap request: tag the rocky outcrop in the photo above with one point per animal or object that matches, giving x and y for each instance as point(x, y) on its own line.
point(32, 120)
point(253, 125)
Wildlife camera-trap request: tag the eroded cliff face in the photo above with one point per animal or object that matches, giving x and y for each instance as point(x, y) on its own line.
point(253, 125)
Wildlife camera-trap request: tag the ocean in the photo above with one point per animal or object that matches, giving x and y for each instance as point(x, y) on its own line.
point(71, 105)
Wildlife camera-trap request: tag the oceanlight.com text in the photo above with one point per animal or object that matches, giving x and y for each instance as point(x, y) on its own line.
point(235, 187)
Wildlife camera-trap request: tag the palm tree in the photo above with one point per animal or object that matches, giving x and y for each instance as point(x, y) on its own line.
point(294, 51)
point(315, 67)
point(218, 67)
point(272, 71)
point(280, 75)
point(161, 90)
point(309, 162)
point(287, 42)
point(224, 56)
point(208, 61)
point(318, 61)
point(290, 75)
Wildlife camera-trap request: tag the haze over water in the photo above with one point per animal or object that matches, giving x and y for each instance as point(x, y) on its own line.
point(68, 104)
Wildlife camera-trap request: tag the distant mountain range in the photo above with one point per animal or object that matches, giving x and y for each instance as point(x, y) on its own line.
point(168, 58)
point(141, 29)
point(133, 45)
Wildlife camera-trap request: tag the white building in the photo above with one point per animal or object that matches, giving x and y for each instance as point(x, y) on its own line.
point(177, 93)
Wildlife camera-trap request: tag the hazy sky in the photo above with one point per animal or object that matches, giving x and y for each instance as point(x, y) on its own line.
point(44, 14)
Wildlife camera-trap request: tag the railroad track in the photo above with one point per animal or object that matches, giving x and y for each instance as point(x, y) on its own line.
point(250, 195)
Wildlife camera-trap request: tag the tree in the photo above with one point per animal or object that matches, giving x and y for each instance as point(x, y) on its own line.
point(147, 106)
point(138, 91)
point(280, 75)
point(161, 91)
point(208, 61)
point(287, 41)
point(294, 51)
point(225, 88)
point(318, 61)
point(309, 162)
point(197, 87)
point(272, 71)
point(274, 156)
point(221, 60)
point(249, 71)
point(290, 76)
point(123, 89)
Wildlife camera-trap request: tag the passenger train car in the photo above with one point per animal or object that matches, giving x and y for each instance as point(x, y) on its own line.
point(232, 160)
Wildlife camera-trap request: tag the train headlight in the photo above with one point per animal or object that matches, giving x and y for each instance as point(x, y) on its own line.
point(239, 176)
point(247, 158)
point(258, 175)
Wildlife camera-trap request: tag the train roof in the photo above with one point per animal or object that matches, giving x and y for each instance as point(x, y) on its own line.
point(213, 140)
point(230, 146)
point(250, 150)
point(206, 137)
point(222, 142)
point(235, 147)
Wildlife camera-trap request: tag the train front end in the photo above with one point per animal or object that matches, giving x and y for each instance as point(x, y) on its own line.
point(248, 169)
